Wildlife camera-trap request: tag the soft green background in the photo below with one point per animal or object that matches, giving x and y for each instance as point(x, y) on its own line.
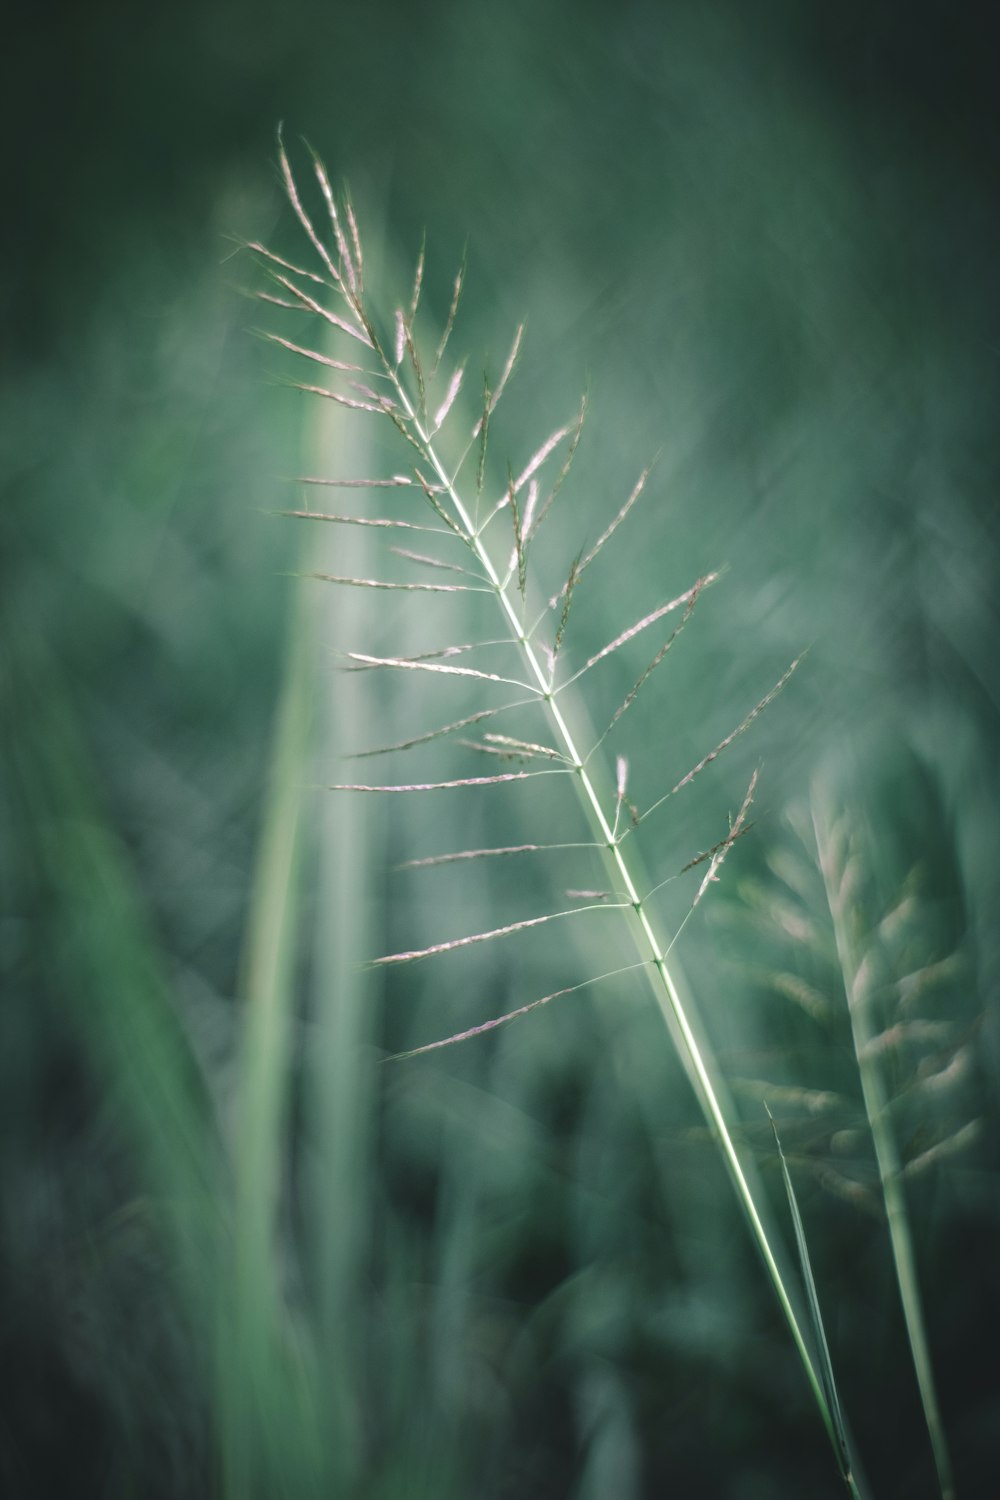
point(239, 1255)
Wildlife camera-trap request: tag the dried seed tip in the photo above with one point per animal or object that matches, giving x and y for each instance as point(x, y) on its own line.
point(538, 458)
point(348, 267)
point(454, 386)
point(481, 430)
point(452, 314)
point(359, 260)
point(508, 368)
point(418, 278)
point(621, 776)
point(411, 350)
point(530, 507)
point(735, 831)
point(567, 598)
point(520, 556)
point(293, 197)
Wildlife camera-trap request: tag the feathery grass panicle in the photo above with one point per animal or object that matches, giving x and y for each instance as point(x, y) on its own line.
point(404, 387)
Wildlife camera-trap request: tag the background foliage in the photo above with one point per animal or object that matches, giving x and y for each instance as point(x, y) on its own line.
point(239, 1255)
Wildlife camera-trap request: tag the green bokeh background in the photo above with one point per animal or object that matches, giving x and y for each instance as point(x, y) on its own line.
point(240, 1255)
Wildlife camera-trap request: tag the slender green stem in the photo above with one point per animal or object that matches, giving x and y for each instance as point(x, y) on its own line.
point(649, 945)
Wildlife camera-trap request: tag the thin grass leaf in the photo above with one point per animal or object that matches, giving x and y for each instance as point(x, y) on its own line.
point(838, 1427)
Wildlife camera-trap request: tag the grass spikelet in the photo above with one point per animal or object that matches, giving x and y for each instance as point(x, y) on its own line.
point(449, 324)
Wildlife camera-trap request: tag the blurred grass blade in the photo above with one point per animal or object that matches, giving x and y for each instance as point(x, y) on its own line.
point(833, 1413)
point(270, 1432)
point(840, 866)
point(339, 1084)
point(104, 963)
